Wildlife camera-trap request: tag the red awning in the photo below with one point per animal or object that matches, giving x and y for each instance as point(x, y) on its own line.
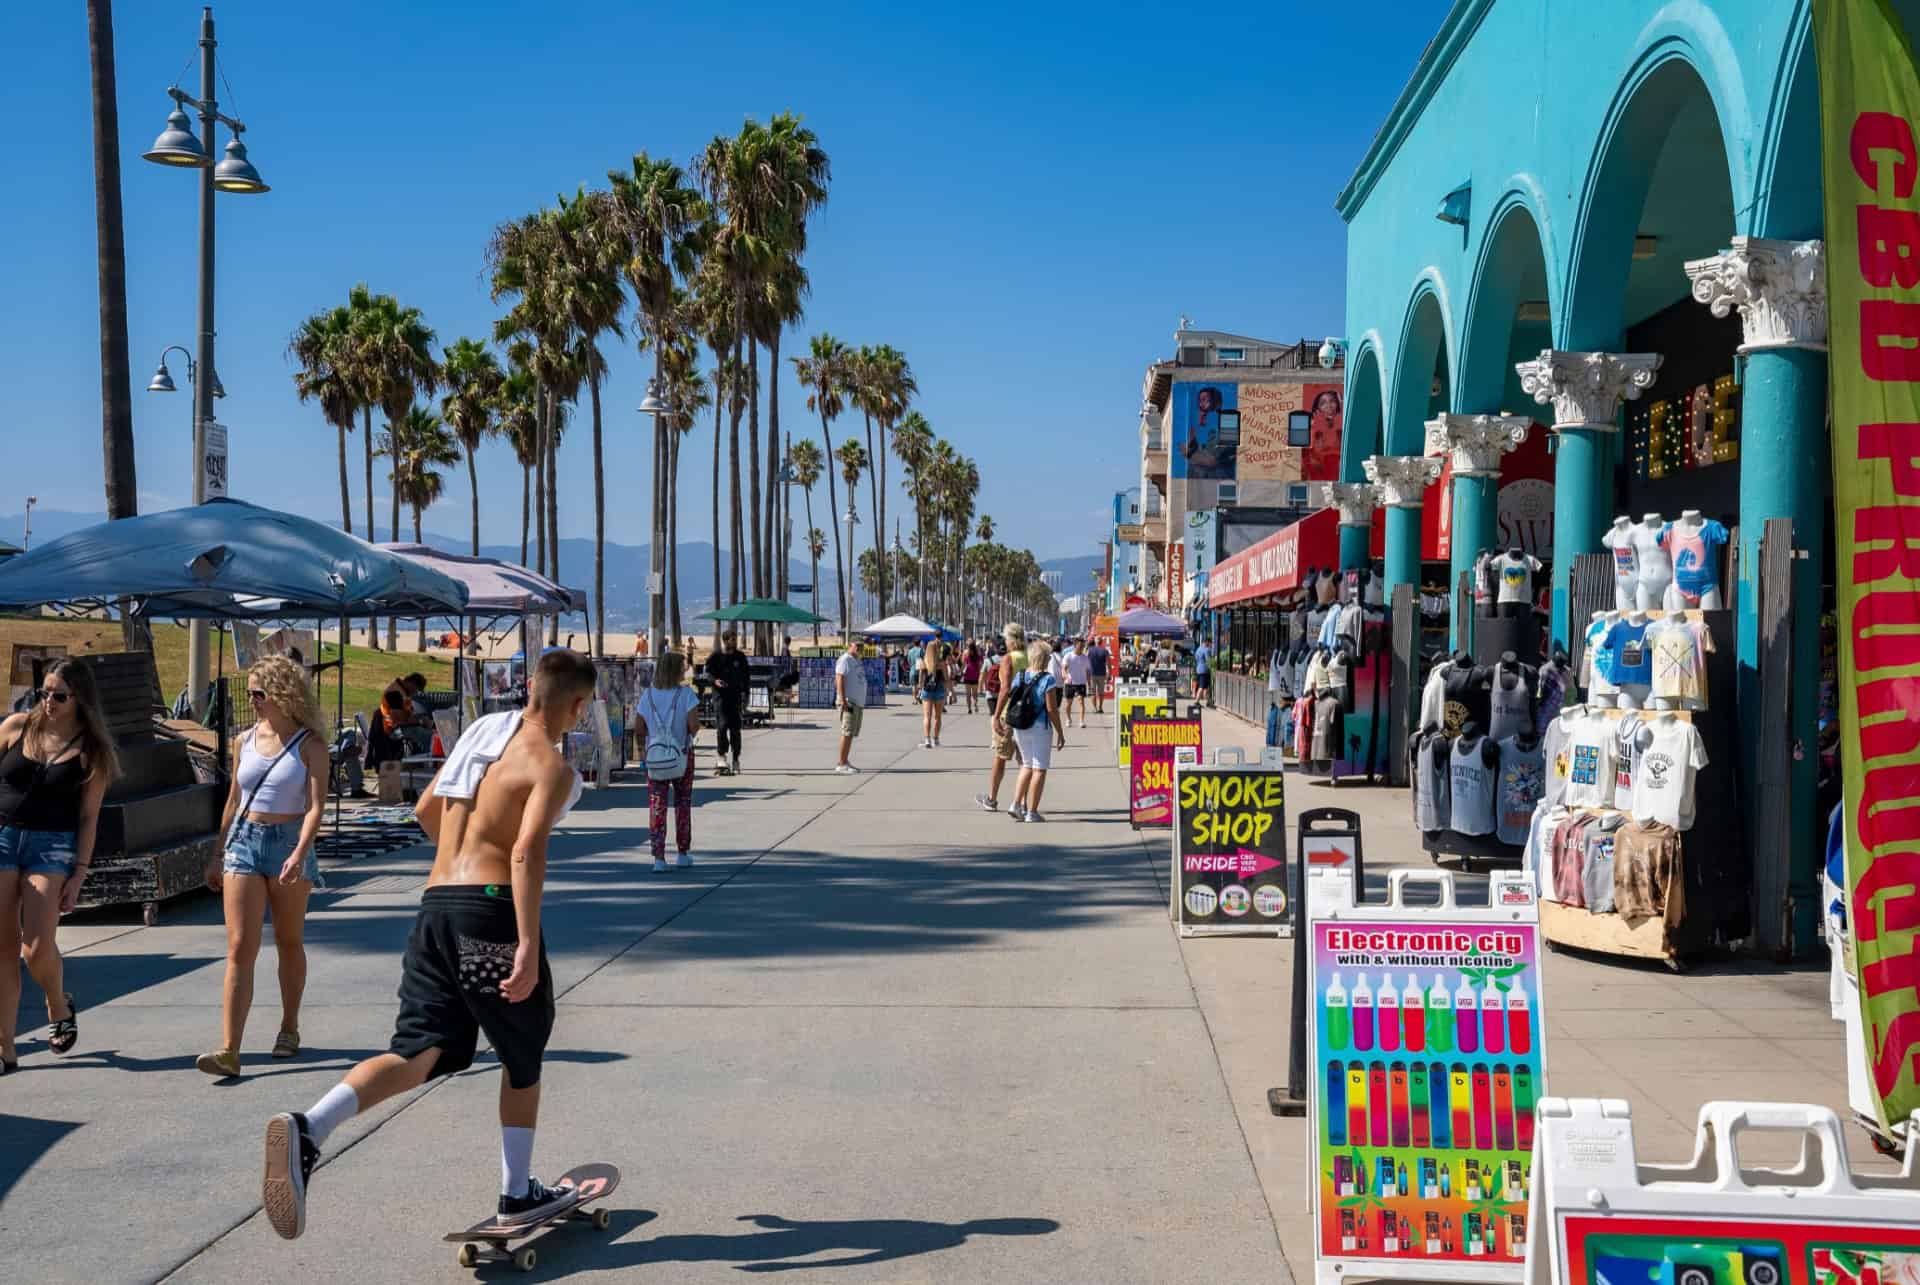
point(1276, 564)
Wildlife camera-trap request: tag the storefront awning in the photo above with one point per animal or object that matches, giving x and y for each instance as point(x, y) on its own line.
point(1276, 564)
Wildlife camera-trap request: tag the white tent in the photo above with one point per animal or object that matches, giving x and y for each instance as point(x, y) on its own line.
point(899, 626)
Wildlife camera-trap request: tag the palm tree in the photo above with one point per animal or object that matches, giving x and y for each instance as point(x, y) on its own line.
point(816, 549)
point(474, 380)
point(323, 347)
point(853, 462)
point(913, 445)
point(892, 389)
point(417, 444)
point(984, 533)
point(824, 375)
point(654, 218)
point(778, 306)
point(521, 256)
point(804, 458)
point(116, 394)
point(713, 320)
point(688, 394)
point(519, 423)
point(394, 361)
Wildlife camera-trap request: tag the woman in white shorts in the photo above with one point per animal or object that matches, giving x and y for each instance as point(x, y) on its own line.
point(1037, 743)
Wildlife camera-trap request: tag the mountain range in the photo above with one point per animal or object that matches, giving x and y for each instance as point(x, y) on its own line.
point(627, 565)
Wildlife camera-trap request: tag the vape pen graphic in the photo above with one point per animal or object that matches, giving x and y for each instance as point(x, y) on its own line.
point(1337, 1103)
point(1482, 1109)
point(1417, 1091)
point(1439, 1017)
point(1338, 1028)
point(1386, 1015)
point(1402, 1120)
point(1466, 1018)
point(1519, 1023)
point(1493, 1019)
point(1460, 1089)
point(1502, 1107)
point(1361, 1004)
point(1437, 1100)
point(1413, 1016)
point(1377, 1103)
point(1523, 1107)
point(1357, 1105)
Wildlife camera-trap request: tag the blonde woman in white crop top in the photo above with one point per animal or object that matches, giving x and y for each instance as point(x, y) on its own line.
point(273, 814)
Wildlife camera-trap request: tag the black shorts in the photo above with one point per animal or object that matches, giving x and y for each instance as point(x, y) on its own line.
point(1076, 689)
point(459, 954)
point(1203, 682)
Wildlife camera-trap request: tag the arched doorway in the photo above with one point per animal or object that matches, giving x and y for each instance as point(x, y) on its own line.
point(1364, 430)
point(1422, 383)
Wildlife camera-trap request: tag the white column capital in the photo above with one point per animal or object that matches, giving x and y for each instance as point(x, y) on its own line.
point(1355, 500)
point(1476, 442)
point(1585, 388)
point(1780, 288)
point(1400, 481)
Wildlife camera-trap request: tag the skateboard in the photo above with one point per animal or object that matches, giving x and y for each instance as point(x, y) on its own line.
point(490, 1242)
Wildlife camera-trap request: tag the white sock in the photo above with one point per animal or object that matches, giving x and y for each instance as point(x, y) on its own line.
point(340, 1105)
point(516, 1160)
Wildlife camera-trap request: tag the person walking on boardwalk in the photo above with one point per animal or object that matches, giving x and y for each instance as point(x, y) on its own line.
point(850, 697)
point(275, 805)
point(930, 683)
point(1033, 711)
point(476, 961)
point(669, 717)
point(56, 761)
point(731, 675)
point(1012, 664)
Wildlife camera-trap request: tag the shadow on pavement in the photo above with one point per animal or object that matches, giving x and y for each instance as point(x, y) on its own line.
point(23, 1140)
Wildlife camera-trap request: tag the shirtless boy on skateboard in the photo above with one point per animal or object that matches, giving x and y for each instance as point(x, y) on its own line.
point(475, 961)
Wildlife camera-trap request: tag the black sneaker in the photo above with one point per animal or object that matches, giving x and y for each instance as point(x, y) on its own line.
point(291, 1156)
point(540, 1202)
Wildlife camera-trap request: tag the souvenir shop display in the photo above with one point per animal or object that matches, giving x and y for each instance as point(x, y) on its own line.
point(1477, 761)
point(1427, 1036)
point(1327, 681)
point(1634, 847)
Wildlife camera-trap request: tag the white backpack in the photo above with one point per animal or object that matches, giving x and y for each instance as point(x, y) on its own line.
point(666, 760)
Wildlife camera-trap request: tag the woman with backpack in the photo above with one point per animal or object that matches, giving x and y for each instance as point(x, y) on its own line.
point(1000, 680)
point(275, 803)
point(930, 684)
point(669, 716)
point(970, 675)
point(1033, 712)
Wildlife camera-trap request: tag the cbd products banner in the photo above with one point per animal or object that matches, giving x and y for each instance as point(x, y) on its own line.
point(1426, 1038)
point(1106, 632)
point(1869, 99)
point(1156, 742)
point(1229, 849)
point(1140, 701)
point(1603, 1216)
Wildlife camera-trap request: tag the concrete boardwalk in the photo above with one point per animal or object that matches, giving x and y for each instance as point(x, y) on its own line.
point(875, 1033)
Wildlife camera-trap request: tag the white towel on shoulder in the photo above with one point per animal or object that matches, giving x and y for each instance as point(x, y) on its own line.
point(478, 748)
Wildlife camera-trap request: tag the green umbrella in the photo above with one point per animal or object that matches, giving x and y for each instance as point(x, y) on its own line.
point(764, 611)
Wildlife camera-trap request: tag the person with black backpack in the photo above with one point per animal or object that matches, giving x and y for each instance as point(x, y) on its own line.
point(1033, 712)
point(1000, 679)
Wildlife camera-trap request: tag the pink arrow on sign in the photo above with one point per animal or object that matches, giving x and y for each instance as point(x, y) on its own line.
point(1252, 863)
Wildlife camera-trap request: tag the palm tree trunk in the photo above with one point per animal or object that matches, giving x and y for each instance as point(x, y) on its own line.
point(879, 527)
point(719, 404)
point(526, 506)
point(393, 484)
point(553, 508)
point(473, 488)
point(116, 396)
point(753, 474)
point(346, 503)
point(540, 479)
point(816, 565)
point(833, 509)
point(776, 489)
point(887, 587)
point(366, 449)
point(599, 528)
point(416, 540)
point(673, 533)
point(738, 563)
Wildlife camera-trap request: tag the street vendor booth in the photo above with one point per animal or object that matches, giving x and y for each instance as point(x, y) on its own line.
point(766, 674)
point(222, 560)
point(1249, 591)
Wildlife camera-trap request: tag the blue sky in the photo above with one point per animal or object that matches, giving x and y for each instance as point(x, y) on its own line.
point(1025, 199)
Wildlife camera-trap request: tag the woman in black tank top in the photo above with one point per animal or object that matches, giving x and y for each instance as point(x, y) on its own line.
point(56, 761)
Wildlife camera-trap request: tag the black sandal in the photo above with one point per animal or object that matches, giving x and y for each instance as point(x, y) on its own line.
point(65, 1033)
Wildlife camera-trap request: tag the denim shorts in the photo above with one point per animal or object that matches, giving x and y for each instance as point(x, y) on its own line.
point(38, 852)
point(257, 849)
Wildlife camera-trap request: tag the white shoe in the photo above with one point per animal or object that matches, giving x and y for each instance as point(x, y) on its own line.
point(845, 769)
point(926, 742)
point(936, 742)
point(659, 865)
point(684, 860)
point(1017, 812)
point(736, 765)
point(1031, 817)
point(985, 803)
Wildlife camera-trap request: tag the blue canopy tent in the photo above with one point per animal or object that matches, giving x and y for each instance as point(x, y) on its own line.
point(227, 559)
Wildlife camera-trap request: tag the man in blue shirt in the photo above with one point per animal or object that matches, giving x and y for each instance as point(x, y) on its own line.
point(1203, 672)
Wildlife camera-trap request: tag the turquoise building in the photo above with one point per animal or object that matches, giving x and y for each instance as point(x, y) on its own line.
point(1601, 220)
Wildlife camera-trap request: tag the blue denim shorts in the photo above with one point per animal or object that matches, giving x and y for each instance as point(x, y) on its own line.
point(38, 852)
point(257, 849)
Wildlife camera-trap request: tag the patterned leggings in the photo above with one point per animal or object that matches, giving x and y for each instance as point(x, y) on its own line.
point(682, 790)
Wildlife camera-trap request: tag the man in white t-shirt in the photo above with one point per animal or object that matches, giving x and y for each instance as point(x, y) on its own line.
point(1663, 778)
point(1079, 670)
point(850, 689)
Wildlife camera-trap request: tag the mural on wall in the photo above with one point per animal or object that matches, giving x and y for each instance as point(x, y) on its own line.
point(1263, 436)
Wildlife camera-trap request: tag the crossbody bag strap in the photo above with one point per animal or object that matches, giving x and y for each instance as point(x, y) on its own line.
point(285, 750)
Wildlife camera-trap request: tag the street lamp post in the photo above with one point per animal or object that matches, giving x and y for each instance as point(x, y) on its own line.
point(657, 406)
point(26, 531)
point(847, 591)
point(178, 147)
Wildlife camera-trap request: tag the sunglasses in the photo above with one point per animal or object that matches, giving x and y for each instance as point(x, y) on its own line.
point(59, 697)
point(255, 695)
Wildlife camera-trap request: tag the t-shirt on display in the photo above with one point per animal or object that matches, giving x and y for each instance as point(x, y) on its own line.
point(1558, 760)
point(1626, 654)
point(1471, 787)
point(1590, 748)
point(1678, 648)
point(1512, 706)
point(1432, 756)
point(1515, 576)
point(1522, 772)
point(1663, 781)
point(1696, 558)
point(1647, 873)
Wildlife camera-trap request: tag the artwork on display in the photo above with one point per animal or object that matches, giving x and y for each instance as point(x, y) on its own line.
point(1230, 849)
point(816, 682)
point(1426, 1060)
point(1266, 455)
point(246, 643)
point(1603, 1216)
point(1200, 451)
point(497, 679)
point(1155, 744)
point(875, 668)
point(1225, 431)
